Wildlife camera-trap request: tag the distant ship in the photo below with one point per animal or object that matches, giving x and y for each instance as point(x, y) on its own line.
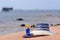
point(7, 9)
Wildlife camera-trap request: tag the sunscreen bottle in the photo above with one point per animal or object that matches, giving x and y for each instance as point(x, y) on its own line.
point(27, 30)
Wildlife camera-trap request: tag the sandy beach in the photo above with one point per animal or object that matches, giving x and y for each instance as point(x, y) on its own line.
point(19, 35)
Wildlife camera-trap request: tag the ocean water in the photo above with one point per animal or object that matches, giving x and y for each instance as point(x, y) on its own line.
point(27, 15)
point(9, 24)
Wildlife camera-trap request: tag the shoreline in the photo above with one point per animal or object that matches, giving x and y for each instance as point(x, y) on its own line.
point(19, 35)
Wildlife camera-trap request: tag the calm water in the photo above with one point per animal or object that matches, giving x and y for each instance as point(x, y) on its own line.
point(26, 15)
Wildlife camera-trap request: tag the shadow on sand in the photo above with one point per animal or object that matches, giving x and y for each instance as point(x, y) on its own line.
point(35, 36)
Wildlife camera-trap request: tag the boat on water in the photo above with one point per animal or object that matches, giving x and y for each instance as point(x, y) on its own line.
point(7, 9)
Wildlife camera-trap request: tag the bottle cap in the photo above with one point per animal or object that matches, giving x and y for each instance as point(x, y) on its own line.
point(27, 26)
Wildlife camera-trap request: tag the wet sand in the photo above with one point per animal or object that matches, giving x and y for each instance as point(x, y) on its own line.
point(19, 35)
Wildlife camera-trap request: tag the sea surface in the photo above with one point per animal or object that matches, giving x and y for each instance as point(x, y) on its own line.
point(9, 24)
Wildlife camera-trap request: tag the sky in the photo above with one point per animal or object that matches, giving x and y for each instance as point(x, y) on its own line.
point(31, 4)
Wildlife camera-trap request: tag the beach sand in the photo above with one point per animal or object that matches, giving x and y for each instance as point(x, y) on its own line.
point(19, 35)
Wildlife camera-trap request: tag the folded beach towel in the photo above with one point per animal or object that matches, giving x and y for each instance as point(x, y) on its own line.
point(42, 29)
point(41, 32)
